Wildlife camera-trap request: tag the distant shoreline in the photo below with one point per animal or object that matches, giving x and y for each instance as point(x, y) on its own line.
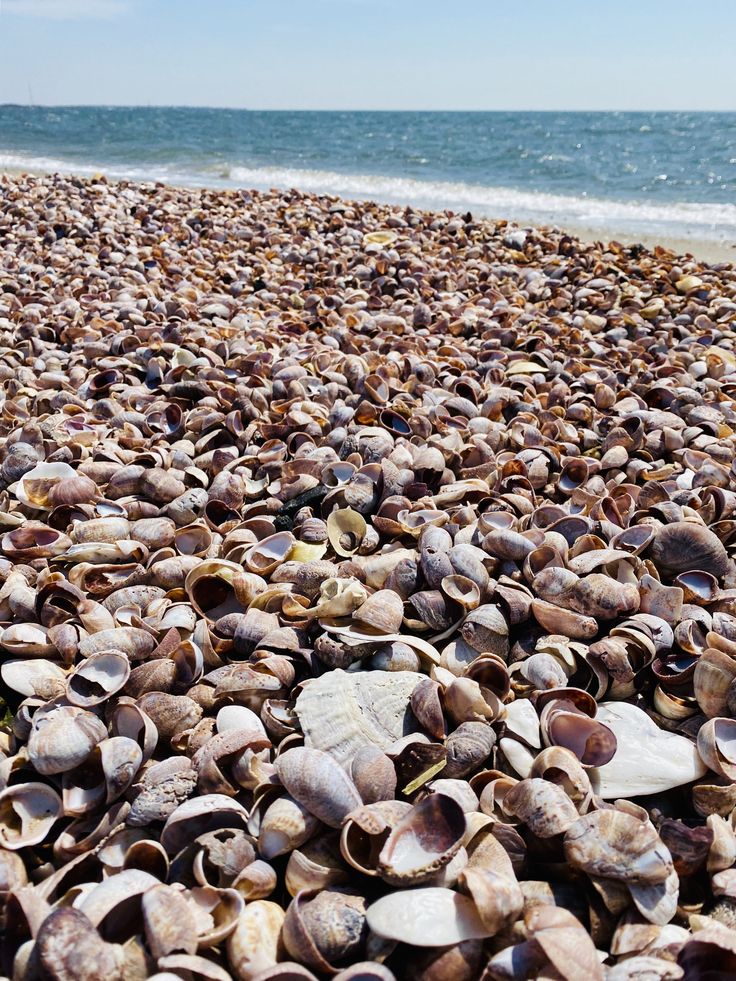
point(702, 249)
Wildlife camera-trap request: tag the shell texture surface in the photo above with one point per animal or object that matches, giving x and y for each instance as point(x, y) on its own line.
point(367, 594)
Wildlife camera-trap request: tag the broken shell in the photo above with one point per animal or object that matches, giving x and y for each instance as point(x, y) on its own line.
point(28, 811)
point(422, 842)
point(97, 678)
point(717, 746)
point(346, 530)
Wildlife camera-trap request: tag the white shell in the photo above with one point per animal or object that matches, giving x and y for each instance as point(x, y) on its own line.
point(432, 917)
point(648, 760)
point(370, 707)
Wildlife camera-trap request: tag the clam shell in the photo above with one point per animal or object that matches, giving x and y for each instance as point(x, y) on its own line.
point(648, 760)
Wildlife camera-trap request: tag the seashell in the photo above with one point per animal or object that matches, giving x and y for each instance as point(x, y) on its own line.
point(427, 708)
point(557, 620)
point(426, 917)
point(368, 708)
point(68, 946)
point(198, 816)
point(498, 898)
point(486, 630)
point(714, 674)
point(648, 760)
point(317, 865)
point(685, 546)
point(615, 844)
point(592, 742)
point(461, 590)
point(28, 678)
point(544, 807)
point(422, 842)
point(562, 767)
point(325, 928)
point(373, 774)
point(565, 942)
point(339, 598)
point(168, 922)
point(468, 747)
point(50, 484)
point(63, 738)
point(28, 811)
point(716, 746)
point(466, 701)
point(314, 779)
point(346, 530)
point(253, 946)
point(161, 789)
point(105, 900)
point(285, 825)
point(98, 678)
point(366, 971)
point(212, 587)
point(381, 612)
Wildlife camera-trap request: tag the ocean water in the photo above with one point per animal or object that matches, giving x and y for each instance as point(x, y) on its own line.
point(666, 174)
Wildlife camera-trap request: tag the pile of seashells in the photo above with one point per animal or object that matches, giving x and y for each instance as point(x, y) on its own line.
point(367, 592)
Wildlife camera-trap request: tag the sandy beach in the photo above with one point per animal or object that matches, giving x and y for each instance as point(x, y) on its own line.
point(367, 593)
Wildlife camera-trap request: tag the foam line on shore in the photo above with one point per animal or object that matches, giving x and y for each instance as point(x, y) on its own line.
point(682, 220)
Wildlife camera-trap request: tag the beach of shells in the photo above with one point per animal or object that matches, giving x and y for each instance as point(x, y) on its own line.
point(367, 594)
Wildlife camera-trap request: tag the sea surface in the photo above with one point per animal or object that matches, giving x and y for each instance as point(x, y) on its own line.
point(657, 174)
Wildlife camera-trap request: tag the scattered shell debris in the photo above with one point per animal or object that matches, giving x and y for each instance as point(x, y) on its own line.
point(367, 594)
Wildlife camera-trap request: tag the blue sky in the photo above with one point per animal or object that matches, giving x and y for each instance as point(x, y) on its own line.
point(371, 54)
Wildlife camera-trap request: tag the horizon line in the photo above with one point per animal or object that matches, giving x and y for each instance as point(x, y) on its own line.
point(165, 105)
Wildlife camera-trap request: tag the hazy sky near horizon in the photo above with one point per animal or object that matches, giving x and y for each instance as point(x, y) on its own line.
point(371, 54)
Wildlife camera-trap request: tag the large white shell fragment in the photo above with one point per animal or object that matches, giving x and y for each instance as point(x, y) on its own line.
point(431, 917)
point(647, 760)
point(341, 712)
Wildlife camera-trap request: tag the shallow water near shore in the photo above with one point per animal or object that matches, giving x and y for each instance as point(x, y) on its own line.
point(650, 177)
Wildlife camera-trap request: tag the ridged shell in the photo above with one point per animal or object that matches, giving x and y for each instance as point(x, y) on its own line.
point(369, 707)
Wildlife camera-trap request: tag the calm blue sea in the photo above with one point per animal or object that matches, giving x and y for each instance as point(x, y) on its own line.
point(661, 173)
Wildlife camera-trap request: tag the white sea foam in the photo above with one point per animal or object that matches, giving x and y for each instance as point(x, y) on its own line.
point(686, 220)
